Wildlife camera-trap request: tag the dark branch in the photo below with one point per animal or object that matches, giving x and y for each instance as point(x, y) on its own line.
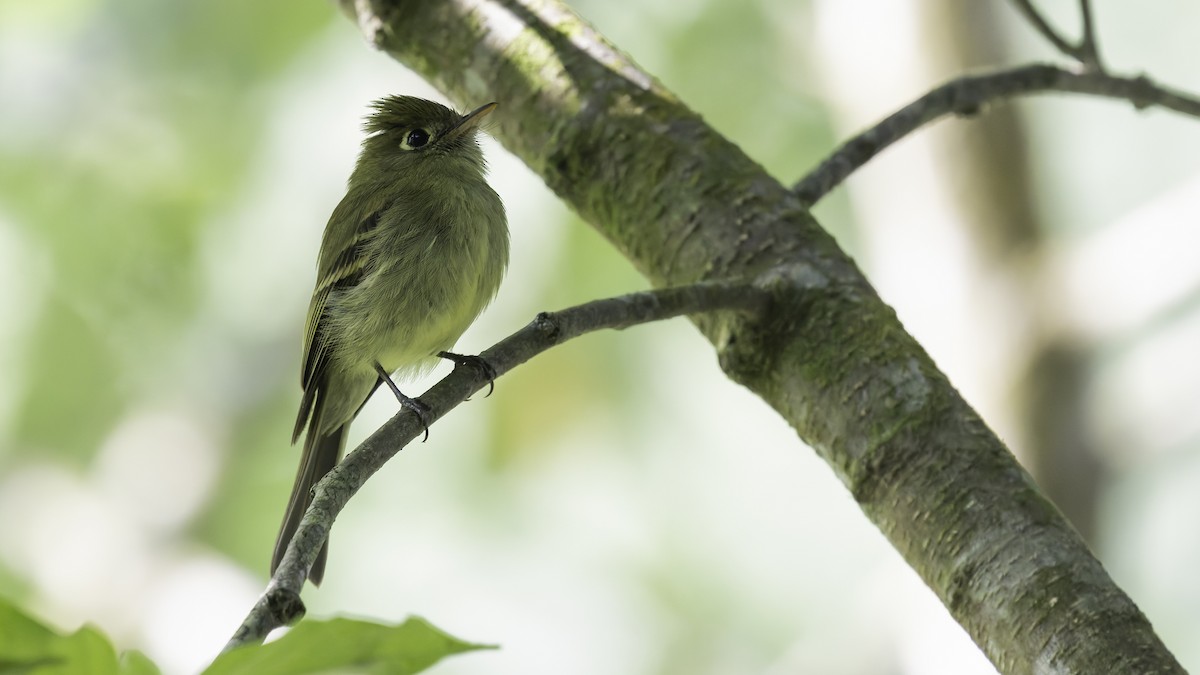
point(1085, 51)
point(1033, 16)
point(967, 96)
point(1089, 49)
point(280, 604)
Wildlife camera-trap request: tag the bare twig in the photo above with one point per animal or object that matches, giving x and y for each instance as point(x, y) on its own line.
point(968, 95)
point(1033, 16)
point(1085, 51)
point(280, 604)
point(1089, 49)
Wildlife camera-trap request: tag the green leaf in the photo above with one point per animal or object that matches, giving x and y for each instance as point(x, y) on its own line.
point(315, 646)
point(29, 648)
point(134, 662)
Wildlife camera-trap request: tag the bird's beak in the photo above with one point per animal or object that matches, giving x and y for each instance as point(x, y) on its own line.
point(471, 120)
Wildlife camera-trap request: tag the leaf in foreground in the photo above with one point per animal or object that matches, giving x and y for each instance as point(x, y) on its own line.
point(314, 646)
point(28, 647)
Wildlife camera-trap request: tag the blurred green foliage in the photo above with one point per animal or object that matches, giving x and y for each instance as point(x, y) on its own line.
point(138, 133)
point(131, 130)
point(27, 646)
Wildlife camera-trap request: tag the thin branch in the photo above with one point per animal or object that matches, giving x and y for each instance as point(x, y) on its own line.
point(967, 96)
point(1085, 51)
point(280, 604)
point(1089, 49)
point(1042, 26)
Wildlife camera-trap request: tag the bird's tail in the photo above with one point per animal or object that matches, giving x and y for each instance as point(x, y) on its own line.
point(321, 454)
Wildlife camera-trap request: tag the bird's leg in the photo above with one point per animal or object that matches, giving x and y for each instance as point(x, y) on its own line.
point(413, 404)
point(476, 362)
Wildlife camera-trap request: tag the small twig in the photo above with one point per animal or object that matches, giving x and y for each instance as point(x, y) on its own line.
point(1089, 48)
point(1047, 31)
point(280, 604)
point(1085, 51)
point(968, 95)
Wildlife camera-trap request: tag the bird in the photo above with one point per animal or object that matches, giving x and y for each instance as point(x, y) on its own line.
point(410, 257)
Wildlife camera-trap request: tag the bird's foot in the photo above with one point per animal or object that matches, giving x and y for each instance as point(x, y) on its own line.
point(476, 362)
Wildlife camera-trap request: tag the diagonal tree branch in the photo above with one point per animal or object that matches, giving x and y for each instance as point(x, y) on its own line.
point(684, 204)
point(969, 95)
point(280, 604)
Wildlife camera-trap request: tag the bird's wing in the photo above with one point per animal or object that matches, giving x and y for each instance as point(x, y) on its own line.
point(340, 265)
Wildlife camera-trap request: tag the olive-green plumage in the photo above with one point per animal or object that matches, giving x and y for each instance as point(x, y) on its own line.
point(412, 254)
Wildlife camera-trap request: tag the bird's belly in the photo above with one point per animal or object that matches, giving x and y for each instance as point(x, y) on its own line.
point(414, 350)
point(402, 318)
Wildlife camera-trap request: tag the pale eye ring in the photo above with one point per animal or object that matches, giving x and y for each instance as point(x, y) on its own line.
point(415, 139)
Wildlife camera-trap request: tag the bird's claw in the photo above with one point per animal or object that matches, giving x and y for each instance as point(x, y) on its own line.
point(476, 362)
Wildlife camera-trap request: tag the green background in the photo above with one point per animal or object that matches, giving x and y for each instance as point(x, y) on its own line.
point(617, 506)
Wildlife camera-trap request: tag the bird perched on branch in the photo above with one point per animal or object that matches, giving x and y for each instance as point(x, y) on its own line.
point(410, 257)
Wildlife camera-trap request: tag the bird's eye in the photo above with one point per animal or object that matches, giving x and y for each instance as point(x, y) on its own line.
point(415, 139)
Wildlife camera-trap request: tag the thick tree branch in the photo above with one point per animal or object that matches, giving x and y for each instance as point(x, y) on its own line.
point(280, 604)
point(685, 204)
point(968, 95)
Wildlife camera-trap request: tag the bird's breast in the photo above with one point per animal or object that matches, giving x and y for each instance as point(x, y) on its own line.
point(430, 275)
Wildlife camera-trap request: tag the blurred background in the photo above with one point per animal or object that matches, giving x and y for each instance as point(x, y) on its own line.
point(618, 506)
